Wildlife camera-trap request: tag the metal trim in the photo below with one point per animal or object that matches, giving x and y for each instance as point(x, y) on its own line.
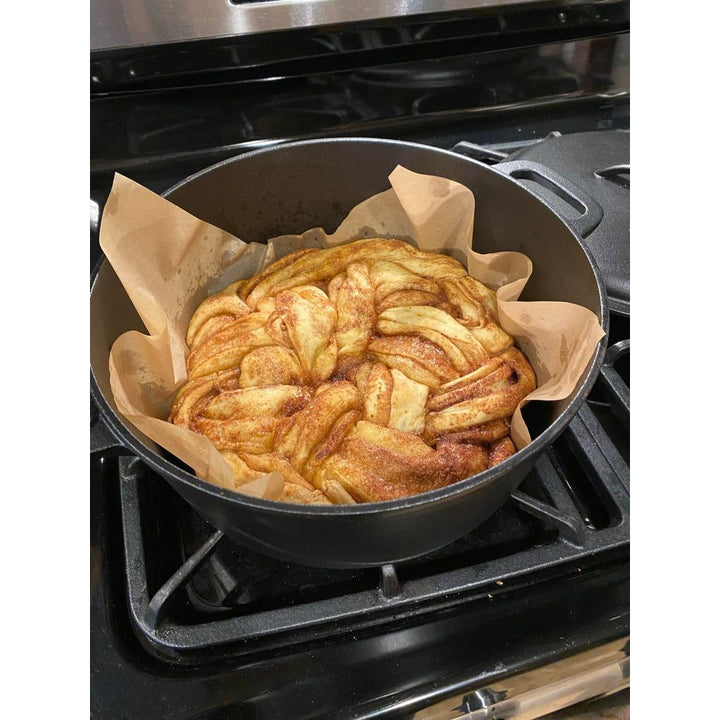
point(129, 23)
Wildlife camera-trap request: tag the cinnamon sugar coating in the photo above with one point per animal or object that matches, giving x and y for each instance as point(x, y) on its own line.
point(365, 372)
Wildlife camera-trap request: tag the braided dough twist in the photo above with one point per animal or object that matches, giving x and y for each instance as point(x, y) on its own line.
point(365, 372)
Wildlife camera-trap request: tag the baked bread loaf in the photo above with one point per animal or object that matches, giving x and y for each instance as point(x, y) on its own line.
point(365, 372)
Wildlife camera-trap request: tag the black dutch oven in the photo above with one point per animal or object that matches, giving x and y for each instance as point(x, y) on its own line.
point(289, 188)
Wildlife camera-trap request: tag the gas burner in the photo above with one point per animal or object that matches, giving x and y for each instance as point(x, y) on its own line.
point(463, 83)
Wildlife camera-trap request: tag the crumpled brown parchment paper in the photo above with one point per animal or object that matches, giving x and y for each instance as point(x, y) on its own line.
point(169, 261)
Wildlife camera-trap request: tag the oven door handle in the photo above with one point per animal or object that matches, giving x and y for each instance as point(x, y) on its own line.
point(591, 212)
point(586, 676)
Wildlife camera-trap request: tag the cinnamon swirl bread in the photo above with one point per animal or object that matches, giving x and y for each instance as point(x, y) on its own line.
point(365, 372)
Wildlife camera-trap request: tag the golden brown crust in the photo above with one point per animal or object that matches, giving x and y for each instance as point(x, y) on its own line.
point(365, 372)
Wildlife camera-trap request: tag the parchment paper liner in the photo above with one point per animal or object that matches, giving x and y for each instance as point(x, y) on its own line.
point(169, 261)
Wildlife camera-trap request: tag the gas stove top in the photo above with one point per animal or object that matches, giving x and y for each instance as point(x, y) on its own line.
point(186, 624)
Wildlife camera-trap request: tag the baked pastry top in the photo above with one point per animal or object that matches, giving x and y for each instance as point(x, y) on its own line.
point(364, 372)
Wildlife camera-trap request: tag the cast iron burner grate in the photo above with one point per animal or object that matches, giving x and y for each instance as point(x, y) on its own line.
point(195, 596)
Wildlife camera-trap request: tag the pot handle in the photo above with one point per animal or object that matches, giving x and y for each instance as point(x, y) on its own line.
point(102, 438)
point(591, 213)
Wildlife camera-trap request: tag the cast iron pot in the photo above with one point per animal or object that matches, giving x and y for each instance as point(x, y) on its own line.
point(288, 189)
